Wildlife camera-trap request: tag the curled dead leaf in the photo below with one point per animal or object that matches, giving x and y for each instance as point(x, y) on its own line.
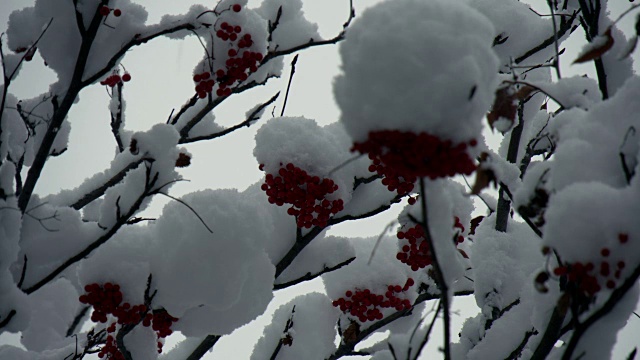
point(604, 44)
point(484, 176)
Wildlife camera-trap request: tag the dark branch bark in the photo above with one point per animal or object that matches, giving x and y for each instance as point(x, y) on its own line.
point(309, 276)
point(76, 320)
point(7, 318)
point(303, 241)
point(98, 192)
point(345, 349)
point(504, 204)
point(254, 116)
point(121, 220)
point(550, 336)
point(206, 345)
point(616, 296)
point(563, 27)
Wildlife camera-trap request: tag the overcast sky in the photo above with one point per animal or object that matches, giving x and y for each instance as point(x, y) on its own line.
point(161, 81)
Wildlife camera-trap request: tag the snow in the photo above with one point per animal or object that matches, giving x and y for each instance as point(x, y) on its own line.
point(52, 310)
point(199, 277)
point(311, 331)
point(508, 19)
point(323, 252)
point(418, 47)
point(293, 29)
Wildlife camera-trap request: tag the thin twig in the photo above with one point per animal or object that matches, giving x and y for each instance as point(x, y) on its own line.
point(286, 95)
point(425, 339)
point(309, 276)
point(254, 116)
point(189, 207)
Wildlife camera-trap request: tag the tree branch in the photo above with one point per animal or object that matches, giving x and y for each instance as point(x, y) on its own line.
point(206, 345)
point(254, 116)
point(616, 296)
point(98, 192)
point(121, 220)
point(564, 26)
point(309, 276)
point(346, 348)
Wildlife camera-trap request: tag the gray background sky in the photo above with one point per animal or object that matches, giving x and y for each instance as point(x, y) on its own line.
point(161, 72)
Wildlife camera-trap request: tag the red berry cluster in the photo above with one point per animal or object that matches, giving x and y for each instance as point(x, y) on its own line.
point(403, 156)
point(204, 84)
point(115, 79)
point(415, 251)
point(107, 299)
point(105, 11)
point(240, 62)
point(366, 305)
point(306, 193)
point(585, 277)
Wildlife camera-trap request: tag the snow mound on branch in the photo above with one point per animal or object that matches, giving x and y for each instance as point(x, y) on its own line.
point(312, 329)
point(293, 29)
point(52, 310)
point(199, 277)
point(419, 66)
point(509, 18)
point(300, 141)
point(590, 149)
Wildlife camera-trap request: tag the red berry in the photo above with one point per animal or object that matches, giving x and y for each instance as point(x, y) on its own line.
point(126, 77)
point(605, 252)
point(623, 238)
point(237, 7)
point(117, 12)
point(104, 10)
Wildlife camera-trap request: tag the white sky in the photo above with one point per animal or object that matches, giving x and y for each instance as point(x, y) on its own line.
point(161, 81)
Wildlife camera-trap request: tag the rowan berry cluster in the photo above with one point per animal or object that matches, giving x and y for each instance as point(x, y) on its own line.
point(115, 79)
point(415, 250)
point(107, 300)
point(586, 277)
point(306, 193)
point(403, 156)
point(105, 11)
point(204, 84)
point(366, 305)
point(240, 63)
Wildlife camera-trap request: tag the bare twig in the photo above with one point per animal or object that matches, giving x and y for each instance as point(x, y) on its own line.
point(564, 26)
point(206, 345)
point(189, 207)
point(556, 62)
point(286, 337)
point(286, 95)
point(99, 191)
point(76, 321)
point(309, 276)
point(120, 221)
point(425, 339)
point(616, 296)
point(116, 119)
point(387, 228)
point(254, 116)
point(23, 272)
point(346, 348)
point(7, 318)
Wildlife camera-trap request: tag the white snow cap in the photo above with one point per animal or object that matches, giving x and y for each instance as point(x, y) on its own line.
point(443, 70)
